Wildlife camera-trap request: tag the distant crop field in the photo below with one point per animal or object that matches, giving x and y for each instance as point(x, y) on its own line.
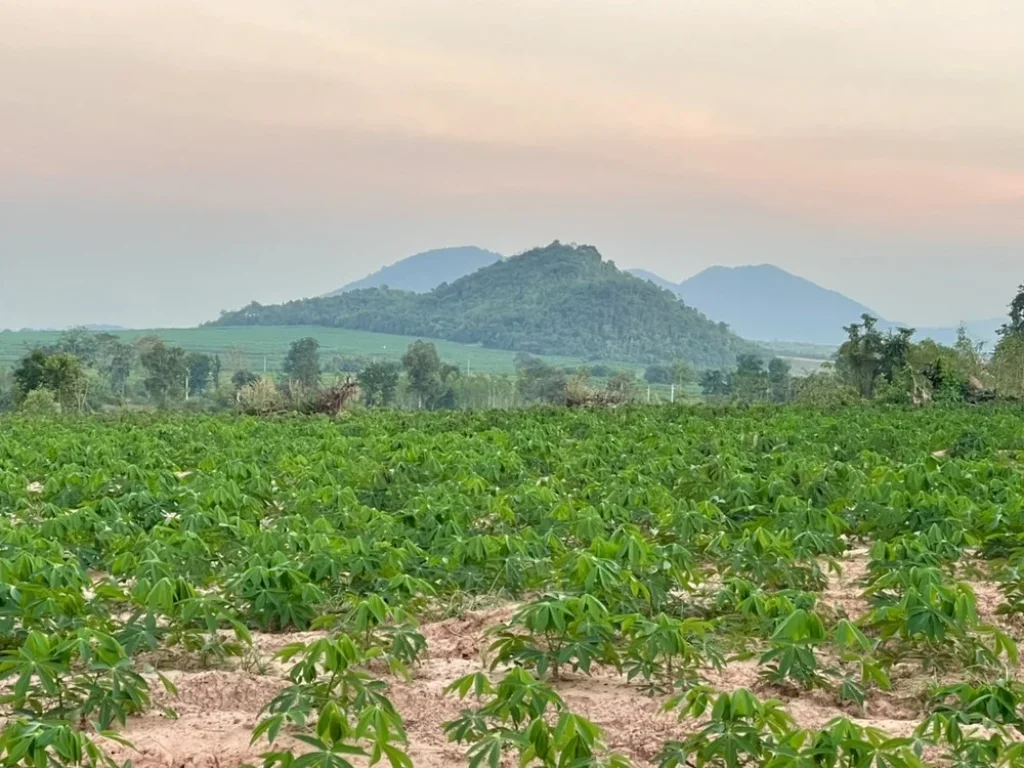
point(267, 346)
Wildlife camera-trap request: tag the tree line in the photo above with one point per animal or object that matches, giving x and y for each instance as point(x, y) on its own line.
point(889, 368)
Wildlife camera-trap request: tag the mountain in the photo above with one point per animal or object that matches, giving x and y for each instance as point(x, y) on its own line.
point(767, 303)
point(425, 271)
point(658, 280)
point(556, 300)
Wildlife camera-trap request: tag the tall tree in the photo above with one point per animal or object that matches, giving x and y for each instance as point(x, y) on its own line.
point(166, 372)
point(1016, 325)
point(61, 373)
point(750, 381)
point(539, 382)
point(116, 360)
point(868, 357)
point(302, 363)
point(779, 380)
point(30, 373)
point(429, 379)
point(200, 373)
point(82, 343)
point(715, 384)
point(379, 382)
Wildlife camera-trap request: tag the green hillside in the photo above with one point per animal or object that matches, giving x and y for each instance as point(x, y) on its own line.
point(254, 343)
point(557, 300)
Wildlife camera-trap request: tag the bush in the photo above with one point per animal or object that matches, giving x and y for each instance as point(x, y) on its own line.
point(824, 390)
point(260, 397)
point(40, 402)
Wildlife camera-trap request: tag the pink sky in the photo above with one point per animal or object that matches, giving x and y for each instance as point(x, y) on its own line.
point(392, 119)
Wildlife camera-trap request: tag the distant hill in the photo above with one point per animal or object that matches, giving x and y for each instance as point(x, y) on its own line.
point(96, 327)
point(556, 300)
point(425, 271)
point(767, 303)
point(658, 280)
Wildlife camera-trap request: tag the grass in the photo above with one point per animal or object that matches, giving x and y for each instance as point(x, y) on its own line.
point(266, 346)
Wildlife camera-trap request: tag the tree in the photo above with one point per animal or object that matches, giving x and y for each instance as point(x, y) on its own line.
point(823, 389)
point(116, 362)
point(199, 373)
point(715, 384)
point(166, 372)
point(750, 381)
point(868, 357)
point(379, 382)
point(622, 387)
point(683, 373)
point(31, 371)
point(1008, 359)
point(429, 379)
point(65, 377)
point(1016, 325)
point(61, 373)
point(243, 378)
point(7, 390)
point(779, 380)
point(538, 382)
point(81, 343)
point(303, 362)
point(658, 374)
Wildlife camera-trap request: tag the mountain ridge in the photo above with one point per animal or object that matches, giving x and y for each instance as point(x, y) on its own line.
point(423, 272)
point(558, 299)
point(764, 302)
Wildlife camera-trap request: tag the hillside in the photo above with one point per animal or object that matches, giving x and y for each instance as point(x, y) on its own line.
point(254, 346)
point(425, 271)
point(557, 300)
point(767, 303)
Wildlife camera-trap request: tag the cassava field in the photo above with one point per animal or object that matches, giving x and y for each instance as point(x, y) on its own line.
point(649, 586)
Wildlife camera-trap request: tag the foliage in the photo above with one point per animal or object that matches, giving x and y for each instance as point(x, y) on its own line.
point(539, 382)
point(517, 715)
point(558, 299)
point(823, 389)
point(302, 363)
point(40, 402)
point(379, 382)
point(429, 379)
point(166, 372)
point(59, 373)
point(641, 541)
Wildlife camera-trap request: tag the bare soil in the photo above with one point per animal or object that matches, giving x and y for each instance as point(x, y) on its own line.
point(218, 709)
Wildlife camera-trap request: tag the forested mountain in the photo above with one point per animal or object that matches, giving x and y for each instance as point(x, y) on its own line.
point(559, 299)
point(425, 271)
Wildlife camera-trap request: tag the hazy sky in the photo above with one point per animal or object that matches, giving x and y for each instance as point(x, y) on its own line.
point(161, 160)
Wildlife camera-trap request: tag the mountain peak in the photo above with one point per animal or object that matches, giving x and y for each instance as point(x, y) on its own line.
point(423, 272)
point(557, 300)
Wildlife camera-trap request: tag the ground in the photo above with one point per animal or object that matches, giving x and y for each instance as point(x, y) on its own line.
point(217, 709)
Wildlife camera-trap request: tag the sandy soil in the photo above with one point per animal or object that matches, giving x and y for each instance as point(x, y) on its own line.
point(218, 709)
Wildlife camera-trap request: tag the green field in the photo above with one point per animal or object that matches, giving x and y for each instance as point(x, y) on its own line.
point(792, 587)
point(264, 347)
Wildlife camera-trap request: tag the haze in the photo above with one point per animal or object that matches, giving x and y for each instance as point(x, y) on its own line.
point(161, 160)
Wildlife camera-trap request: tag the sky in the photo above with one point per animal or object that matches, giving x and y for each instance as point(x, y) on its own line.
point(162, 160)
